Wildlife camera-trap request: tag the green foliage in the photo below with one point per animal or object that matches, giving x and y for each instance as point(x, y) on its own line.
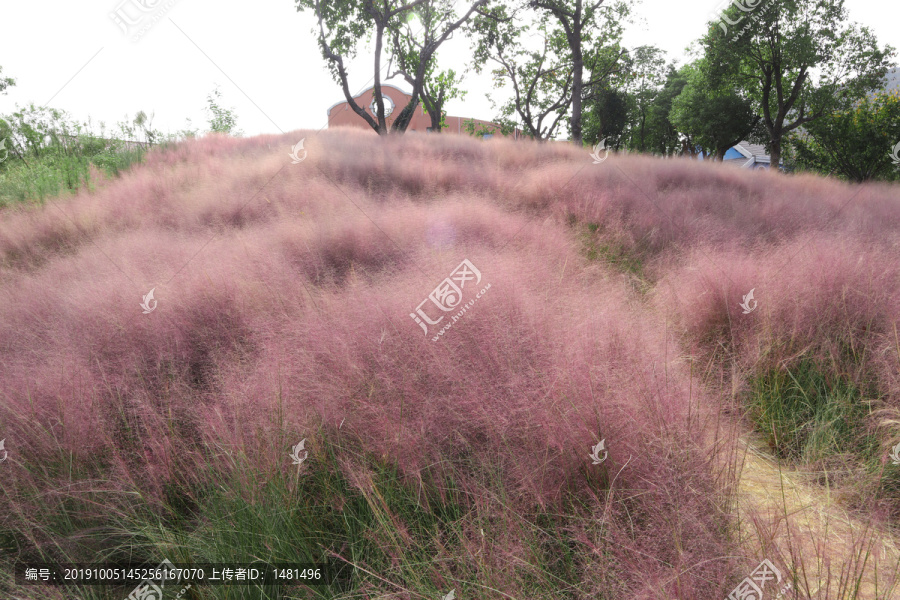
point(478, 129)
point(854, 144)
point(592, 33)
point(37, 131)
point(47, 153)
point(438, 89)
point(221, 120)
point(140, 129)
point(541, 79)
point(599, 246)
point(278, 521)
point(606, 118)
point(116, 161)
point(411, 32)
point(798, 60)
point(346, 22)
point(635, 114)
point(644, 76)
point(42, 178)
point(662, 136)
point(376, 526)
point(341, 24)
point(5, 82)
point(715, 118)
point(806, 413)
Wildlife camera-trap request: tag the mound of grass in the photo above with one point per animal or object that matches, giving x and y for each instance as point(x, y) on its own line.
point(467, 469)
point(376, 529)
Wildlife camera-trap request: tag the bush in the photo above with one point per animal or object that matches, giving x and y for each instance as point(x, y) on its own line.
point(856, 144)
point(50, 153)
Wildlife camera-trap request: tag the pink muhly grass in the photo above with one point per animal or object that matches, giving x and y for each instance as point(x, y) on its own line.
point(815, 292)
point(284, 297)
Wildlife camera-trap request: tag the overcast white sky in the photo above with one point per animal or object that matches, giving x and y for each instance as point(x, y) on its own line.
point(73, 56)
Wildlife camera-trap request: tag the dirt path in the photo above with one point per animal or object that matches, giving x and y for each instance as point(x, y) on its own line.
point(836, 555)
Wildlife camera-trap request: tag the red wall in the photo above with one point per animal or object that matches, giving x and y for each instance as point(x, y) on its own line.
point(342, 115)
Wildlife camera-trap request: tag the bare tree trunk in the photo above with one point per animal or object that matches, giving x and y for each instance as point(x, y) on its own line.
point(577, 74)
point(775, 155)
point(379, 100)
point(433, 106)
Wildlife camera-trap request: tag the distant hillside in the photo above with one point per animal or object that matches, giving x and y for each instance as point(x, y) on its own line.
point(891, 82)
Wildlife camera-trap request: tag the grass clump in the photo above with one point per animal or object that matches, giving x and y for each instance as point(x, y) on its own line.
point(616, 255)
point(806, 414)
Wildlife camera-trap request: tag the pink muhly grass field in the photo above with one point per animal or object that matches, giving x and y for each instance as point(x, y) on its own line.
point(284, 293)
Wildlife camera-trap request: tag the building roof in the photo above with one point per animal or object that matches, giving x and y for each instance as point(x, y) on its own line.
point(753, 154)
point(383, 85)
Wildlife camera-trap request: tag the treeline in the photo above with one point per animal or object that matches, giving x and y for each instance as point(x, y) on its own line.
point(795, 75)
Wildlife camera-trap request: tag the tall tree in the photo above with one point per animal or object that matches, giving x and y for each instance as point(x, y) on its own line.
point(605, 117)
point(541, 79)
point(799, 60)
point(586, 24)
point(716, 117)
point(437, 90)
point(438, 87)
point(663, 137)
point(645, 76)
point(342, 23)
point(5, 130)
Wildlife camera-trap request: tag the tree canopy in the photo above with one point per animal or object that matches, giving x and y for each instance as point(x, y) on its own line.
point(342, 23)
point(797, 60)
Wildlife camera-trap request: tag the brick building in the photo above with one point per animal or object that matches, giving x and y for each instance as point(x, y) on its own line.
point(340, 113)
